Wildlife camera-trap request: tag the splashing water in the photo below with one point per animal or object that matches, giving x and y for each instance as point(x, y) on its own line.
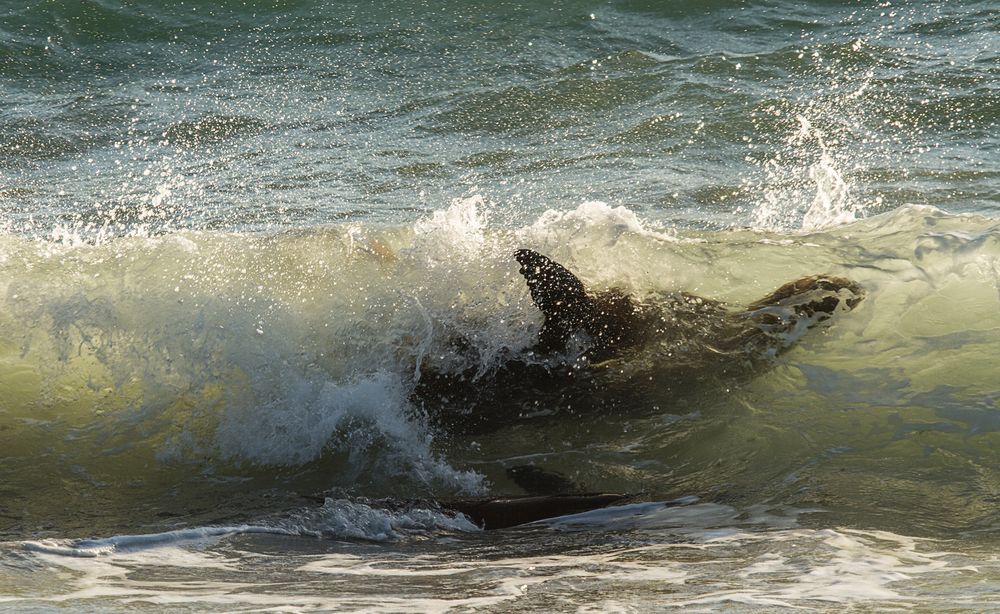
point(784, 188)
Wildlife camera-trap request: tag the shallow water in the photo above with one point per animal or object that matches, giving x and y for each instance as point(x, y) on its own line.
point(235, 236)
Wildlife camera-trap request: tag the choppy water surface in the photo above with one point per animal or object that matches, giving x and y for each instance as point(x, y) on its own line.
point(233, 235)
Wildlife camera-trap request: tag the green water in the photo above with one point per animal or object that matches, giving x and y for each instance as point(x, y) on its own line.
point(232, 233)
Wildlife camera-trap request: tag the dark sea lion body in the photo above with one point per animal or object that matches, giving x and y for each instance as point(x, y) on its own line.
point(593, 346)
point(586, 348)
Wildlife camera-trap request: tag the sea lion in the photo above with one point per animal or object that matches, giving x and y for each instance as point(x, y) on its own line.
point(613, 321)
point(595, 349)
point(578, 359)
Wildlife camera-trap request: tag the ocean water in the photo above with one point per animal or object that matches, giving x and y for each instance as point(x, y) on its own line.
point(235, 235)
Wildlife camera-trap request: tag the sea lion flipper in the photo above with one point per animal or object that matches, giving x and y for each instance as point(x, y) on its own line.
point(559, 295)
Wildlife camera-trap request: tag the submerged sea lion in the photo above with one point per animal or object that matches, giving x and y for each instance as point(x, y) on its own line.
point(594, 342)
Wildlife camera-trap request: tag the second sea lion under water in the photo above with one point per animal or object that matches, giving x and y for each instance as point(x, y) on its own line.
point(593, 346)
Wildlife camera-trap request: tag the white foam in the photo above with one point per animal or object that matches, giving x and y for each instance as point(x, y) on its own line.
point(701, 557)
point(89, 548)
point(342, 519)
point(362, 416)
point(455, 232)
point(591, 220)
point(335, 519)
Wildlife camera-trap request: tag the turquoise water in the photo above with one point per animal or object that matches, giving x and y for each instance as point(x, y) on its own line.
point(233, 233)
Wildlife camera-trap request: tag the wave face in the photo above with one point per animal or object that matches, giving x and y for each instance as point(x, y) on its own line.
point(189, 363)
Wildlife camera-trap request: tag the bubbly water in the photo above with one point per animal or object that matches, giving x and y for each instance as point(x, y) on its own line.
point(234, 233)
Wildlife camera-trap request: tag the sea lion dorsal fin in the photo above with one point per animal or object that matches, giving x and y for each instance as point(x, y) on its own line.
point(552, 286)
point(559, 295)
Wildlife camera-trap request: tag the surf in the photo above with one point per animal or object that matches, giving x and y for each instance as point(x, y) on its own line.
point(238, 362)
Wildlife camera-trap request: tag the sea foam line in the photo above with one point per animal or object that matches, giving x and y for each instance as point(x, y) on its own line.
point(110, 545)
